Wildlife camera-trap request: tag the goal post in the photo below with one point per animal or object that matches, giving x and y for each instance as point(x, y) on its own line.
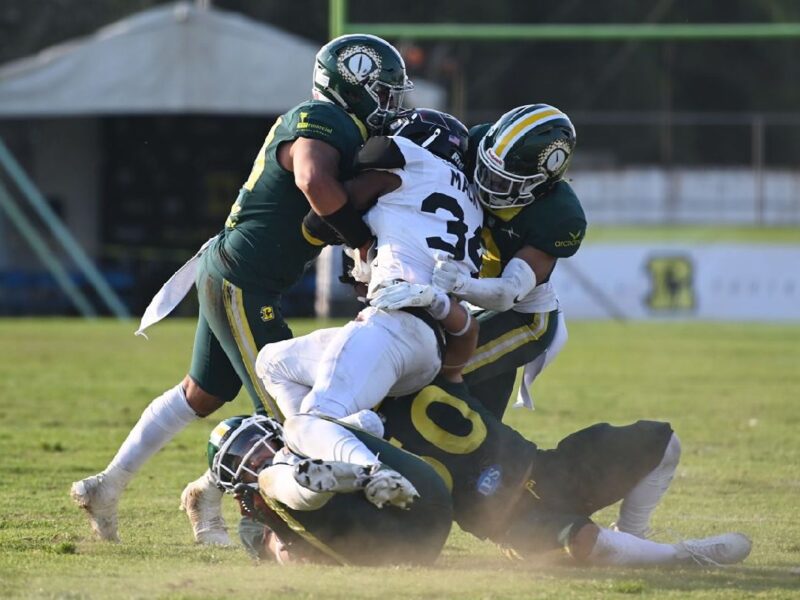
point(339, 25)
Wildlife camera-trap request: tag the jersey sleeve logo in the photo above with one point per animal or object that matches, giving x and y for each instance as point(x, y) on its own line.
point(575, 240)
point(359, 64)
point(303, 124)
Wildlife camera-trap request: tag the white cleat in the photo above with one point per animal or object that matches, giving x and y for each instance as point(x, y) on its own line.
point(387, 485)
point(202, 501)
point(380, 484)
point(725, 549)
point(331, 475)
point(99, 495)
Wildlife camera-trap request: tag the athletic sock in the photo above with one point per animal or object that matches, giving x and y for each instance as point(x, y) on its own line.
point(277, 481)
point(623, 549)
point(311, 436)
point(639, 504)
point(163, 419)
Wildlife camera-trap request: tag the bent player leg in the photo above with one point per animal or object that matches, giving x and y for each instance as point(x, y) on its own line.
point(164, 417)
point(600, 465)
point(288, 368)
point(638, 504)
point(380, 353)
point(243, 322)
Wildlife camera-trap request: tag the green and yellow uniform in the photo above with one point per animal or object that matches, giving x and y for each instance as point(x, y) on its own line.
point(553, 223)
point(350, 530)
point(262, 251)
point(504, 487)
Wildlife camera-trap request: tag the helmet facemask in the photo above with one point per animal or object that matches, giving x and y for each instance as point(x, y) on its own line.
point(248, 450)
point(498, 188)
point(388, 102)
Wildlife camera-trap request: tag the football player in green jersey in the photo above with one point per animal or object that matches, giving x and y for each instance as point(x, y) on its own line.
point(248, 456)
point(535, 502)
point(358, 85)
point(532, 219)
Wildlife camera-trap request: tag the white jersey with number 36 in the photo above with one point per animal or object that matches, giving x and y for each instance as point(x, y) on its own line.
point(432, 213)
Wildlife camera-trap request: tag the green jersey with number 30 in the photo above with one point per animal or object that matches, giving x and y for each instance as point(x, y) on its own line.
point(484, 463)
point(263, 246)
point(553, 223)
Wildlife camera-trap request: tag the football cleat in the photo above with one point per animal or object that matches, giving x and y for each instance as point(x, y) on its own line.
point(387, 485)
point(381, 485)
point(725, 549)
point(202, 501)
point(99, 495)
point(331, 475)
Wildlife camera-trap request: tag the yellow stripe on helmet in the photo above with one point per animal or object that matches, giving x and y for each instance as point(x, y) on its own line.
point(524, 123)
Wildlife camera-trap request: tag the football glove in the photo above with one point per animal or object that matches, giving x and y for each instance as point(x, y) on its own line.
point(402, 294)
point(447, 276)
point(362, 269)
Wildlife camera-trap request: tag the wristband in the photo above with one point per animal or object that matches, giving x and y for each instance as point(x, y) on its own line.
point(349, 225)
point(317, 232)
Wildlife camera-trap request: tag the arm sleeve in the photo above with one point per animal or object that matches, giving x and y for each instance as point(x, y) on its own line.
point(500, 293)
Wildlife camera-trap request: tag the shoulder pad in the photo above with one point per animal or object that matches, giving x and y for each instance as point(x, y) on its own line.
point(322, 120)
point(380, 152)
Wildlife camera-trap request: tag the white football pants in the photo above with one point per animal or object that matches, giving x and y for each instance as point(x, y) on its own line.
point(340, 372)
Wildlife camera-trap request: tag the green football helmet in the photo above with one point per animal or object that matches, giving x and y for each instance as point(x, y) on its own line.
point(363, 74)
point(527, 147)
point(240, 447)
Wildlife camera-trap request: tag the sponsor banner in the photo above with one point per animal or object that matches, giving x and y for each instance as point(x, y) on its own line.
point(747, 282)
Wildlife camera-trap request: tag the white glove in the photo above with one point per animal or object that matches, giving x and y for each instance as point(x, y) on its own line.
point(362, 270)
point(402, 294)
point(447, 276)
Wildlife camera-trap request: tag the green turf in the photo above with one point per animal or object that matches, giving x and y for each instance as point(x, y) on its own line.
point(70, 390)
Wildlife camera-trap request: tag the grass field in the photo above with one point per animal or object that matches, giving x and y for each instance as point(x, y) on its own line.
point(70, 390)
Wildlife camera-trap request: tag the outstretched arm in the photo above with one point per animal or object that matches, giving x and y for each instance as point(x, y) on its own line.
point(528, 266)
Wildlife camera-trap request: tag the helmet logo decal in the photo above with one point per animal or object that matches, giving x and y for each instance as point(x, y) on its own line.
point(553, 159)
point(358, 64)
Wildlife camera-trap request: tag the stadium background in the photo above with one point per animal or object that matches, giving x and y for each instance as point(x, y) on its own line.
point(685, 138)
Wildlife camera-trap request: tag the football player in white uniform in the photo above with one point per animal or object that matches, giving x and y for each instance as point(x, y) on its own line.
point(425, 210)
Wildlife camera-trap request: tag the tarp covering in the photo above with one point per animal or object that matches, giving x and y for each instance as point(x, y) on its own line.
point(175, 58)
